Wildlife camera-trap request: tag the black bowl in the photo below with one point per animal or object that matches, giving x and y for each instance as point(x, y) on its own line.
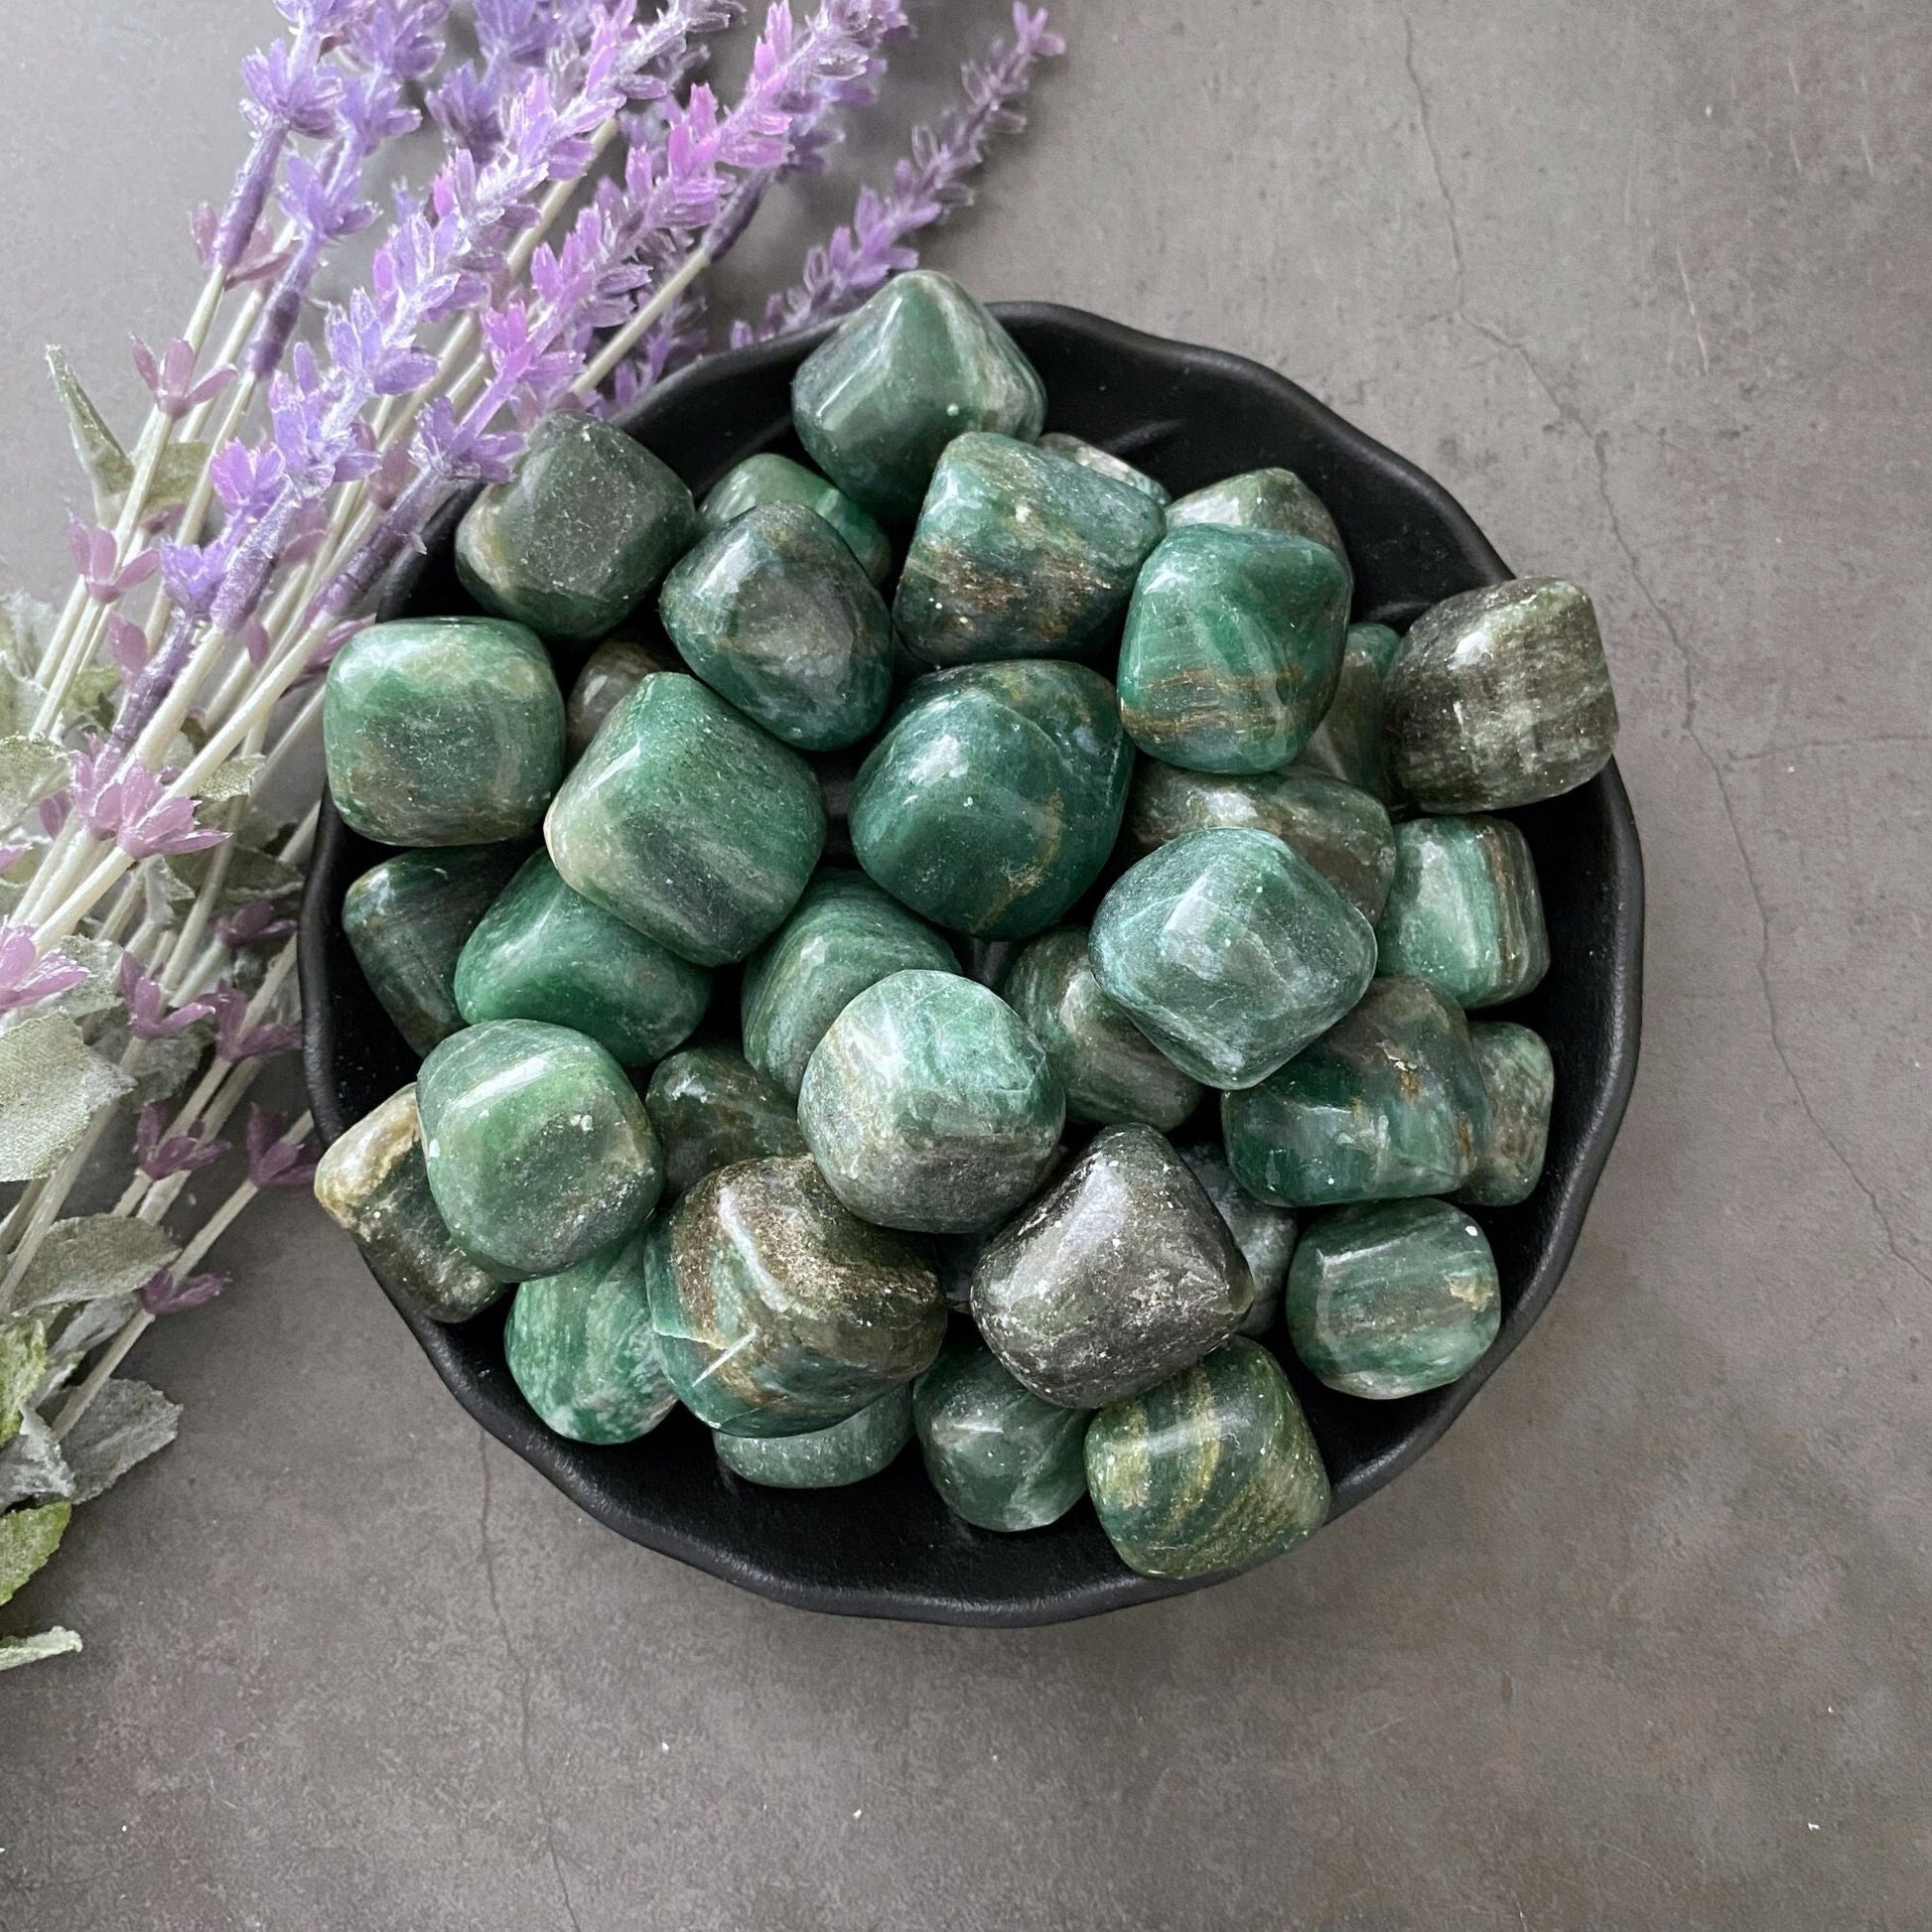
point(889, 1546)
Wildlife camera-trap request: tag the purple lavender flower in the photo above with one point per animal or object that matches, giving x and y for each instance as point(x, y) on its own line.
point(148, 1013)
point(159, 1159)
point(169, 377)
point(162, 1295)
point(96, 557)
point(235, 1040)
point(129, 808)
point(127, 645)
point(274, 1162)
point(257, 922)
point(25, 977)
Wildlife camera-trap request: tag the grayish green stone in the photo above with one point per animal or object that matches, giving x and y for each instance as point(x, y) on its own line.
point(1464, 912)
point(610, 673)
point(1091, 456)
point(1265, 1234)
point(711, 1107)
point(824, 1458)
point(1262, 499)
point(772, 479)
point(1348, 743)
point(1520, 1084)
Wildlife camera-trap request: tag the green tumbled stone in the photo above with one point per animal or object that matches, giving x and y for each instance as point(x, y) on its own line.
point(1230, 952)
point(1388, 1103)
point(1343, 833)
point(1348, 743)
point(775, 614)
point(406, 921)
point(1112, 1072)
point(1120, 1274)
point(776, 1311)
point(372, 1181)
point(610, 673)
point(544, 952)
point(995, 796)
point(1232, 648)
point(442, 730)
point(586, 525)
point(1264, 1234)
point(1091, 456)
point(688, 822)
point(539, 1152)
point(712, 1107)
point(928, 1106)
point(919, 363)
point(1500, 697)
point(1216, 1468)
point(997, 1456)
point(1392, 1298)
point(1464, 912)
point(1262, 499)
point(823, 1459)
point(582, 1351)
point(1020, 553)
point(845, 936)
point(1520, 1084)
point(771, 479)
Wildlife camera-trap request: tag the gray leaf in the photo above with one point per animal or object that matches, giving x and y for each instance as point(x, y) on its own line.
point(31, 768)
point(100, 960)
point(26, 625)
point(32, 1467)
point(124, 1424)
point(98, 447)
point(57, 1642)
point(91, 1256)
point(50, 1087)
point(88, 1326)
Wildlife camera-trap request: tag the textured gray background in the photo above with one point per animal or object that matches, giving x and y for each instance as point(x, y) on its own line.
point(1646, 1641)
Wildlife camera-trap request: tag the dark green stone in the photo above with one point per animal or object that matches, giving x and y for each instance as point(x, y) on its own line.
point(995, 796)
point(1520, 1084)
point(1500, 697)
point(1392, 1298)
point(544, 952)
point(1214, 1469)
point(919, 363)
point(442, 730)
point(823, 1459)
point(928, 1106)
point(1120, 1274)
point(1020, 553)
point(1112, 1072)
point(688, 822)
point(998, 1455)
point(1264, 1234)
point(1348, 743)
point(539, 1152)
point(776, 1311)
point(711, 1107)
point(1262, 499)
point(582, 1351)
point(1387, 1103)
point(1230, 952)
point(1091, 456)
point(845, 936)
point(1464, 912)
point(586, 525)
point(772, 479)
point(610, 673)
point(406, 921)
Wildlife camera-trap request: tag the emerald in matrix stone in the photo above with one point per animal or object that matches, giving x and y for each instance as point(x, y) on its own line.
point(610, 673)
point(772, 479)
point(824, 1458)
point(1464, 912)
point(539, 1152)
point(442, 730)
point(919, 363)
point(1348, 743)
point(688, 822)
point(1020, 553)
point(1392, 1298)
point(1265, 1234)
point(1262, 499)
point(1214, 1468)
point(928, 1106)
point(712, 1107)
point(586, 525)
point(1091, 456)
point(1231, 953)
point(1520, 1084)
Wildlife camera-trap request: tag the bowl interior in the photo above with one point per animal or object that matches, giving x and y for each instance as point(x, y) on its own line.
point(889, 1546)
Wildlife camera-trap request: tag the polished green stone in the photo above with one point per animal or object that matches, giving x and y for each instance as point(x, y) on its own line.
point(1120, 1274)
point(1348, 743)
point(776, 1311)
point(1091, 456)
point(688, 822)
point(775, 614)
point(442, 730)
point(711, 1107)
point(823, 1459)
point(1387, 1103)
point(1520, 1084)
point(1392, 1298)
point(586, 524)
point(544, 952)
point(1215, 1468)
point(844, 935)
point(539, 1152)
point(1464, 912)
point(995, 796)
point(928, 1106)
point(1265, 1234)
point(1232, 648)
point(1262, 499)
point(772, 479)
point(919, 363)
point(610, 673)
point(1500, 697)
point(406, 921)
point(997, 1456)
point(1020, 553)
point(582, 1350)
point(1343, 833)
point(1230, 952)
point(372, 1181)
point(1112, 1072)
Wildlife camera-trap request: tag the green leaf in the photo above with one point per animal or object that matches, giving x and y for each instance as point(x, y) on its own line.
point(176, 475)
point(33, 1467)
point(92, 697)
point(25, 626)
point(235, 778)
point(124, 1425)
point(57, 1642)
point(98, 447)
point(50, 1087)
point(28, 1537)
point(91, 1257)
point(20, 702)
point(23, 1361)
point(31, 768)
point(251, 874)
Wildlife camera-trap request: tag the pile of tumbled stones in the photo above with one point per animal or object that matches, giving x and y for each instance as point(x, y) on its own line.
point(876, 1208)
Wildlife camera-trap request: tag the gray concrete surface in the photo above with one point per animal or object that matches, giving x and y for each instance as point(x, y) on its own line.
point(1645, 1643)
